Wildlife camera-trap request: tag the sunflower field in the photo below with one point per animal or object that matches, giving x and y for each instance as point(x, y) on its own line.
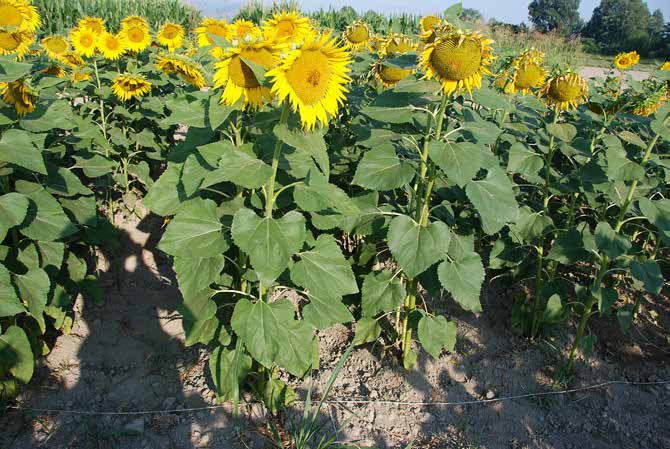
point(308, 178)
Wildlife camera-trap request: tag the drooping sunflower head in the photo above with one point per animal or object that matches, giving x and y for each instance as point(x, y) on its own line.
point(171, 35)
point(397, 44)
point(94, 24)
point(79, 75)
point(457, 59)
point(55, 46)
point(289, 26)
point(390, 75)
point(71, 59)
point(429, 23)
point(211, 26)
point(313, 78)
point(187, 70)
point(135, 38)
point(565, 90)
point(84, 41)
point(112, 46)
point(524, 73)
point(665, 66)
point(357, 35)
point(19, 15)
point(245, 31)
point(238, 79)
point(134, 21)
point(19, 94)
point(15, 43)
point(625, 60)
point(128, 85)
point(55, 70)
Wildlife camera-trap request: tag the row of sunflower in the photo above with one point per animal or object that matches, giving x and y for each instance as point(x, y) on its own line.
point(308, 179)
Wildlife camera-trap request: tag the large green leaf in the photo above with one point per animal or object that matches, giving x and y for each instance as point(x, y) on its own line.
point(381, 292)
point(463, 278)
point(563, 131)
point(11, 70)
point(312, 143)
point(324, 269)
point(63, 182)
point(569, 247)
point(493, 197)
point(415, 247)
point(620, 168)
point(460, 161)
point(437, 334)
point(199, 317)
point(317, 194)
point(48, 222)
point(49, 116)
point(34, 287)
point(658, 213)
point(166, 194)
point(269, 242)
point(17, 147)
point(16, 357)
point(524, 161)
point(197, 273)
point(195, 231)
point(240, 166)
point(648, 275)
point(325, 309)
point(368, 330)
point(530, 225)
point(228, 368)
point(9, 301)
point(381, 169)
point(609, 242)
point(94, 165)
point(13, 210)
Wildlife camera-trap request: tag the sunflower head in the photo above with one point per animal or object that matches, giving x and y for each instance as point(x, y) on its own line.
point(623, 61)
point(211, 26)
point(565, 90)
point(390, 75)
point(524, 73)
point(84, 41)
point(357, 35)
point(135, 38)
point(19, 15)
point(313, 78)
point(112, 46)
point(287, 26)
point(238, 79)
point(128, 85)
point(73, 60)
point(15, 43)
point(187, 70)
point(171, 35)
point(55, 46)
point(55, 70)
point(245, 31)
point(397, 44)
point(134, 21)
point(19, 94)
point(429, 23)
point(665, 66)
point(79, 74)
point(94, 24)
point(457, 59)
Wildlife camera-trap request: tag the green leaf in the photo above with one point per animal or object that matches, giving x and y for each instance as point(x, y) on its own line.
point(648, 274)
point(437, 334)
point(317, 194)
point(11, 70)
point(16, 355)
point(460, 161)
point(481, 131)
point(217, 112)
point(195, 231)
point(61, 181)
point(381, 169)
point(609, 242)
point(381, 292)
point(633, 139)
point(48, 222)
point(620, 168)
point(34, 287)
point(415, 247)
point(185, 113)
point(277, 395)
point(324, 266)
point(228, 368)
point(166, 194)
point(49, 116)
point(199, 317)
point(554, 310)
point(530, 225)
point(524, 161)
point(17, 147)
point(658, 213)
point(563, 131)
point(240, 166)
point(325, 310)
point(569, 248)
point(493, 197)
point(368, 330)
point(13, 210)
point(269, 242)
point(312, 143)
point(197, 273)
point(463, 278)
point(461, 245)
point(9, 302)
point(94, 165)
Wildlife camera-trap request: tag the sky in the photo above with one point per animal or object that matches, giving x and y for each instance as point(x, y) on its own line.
point(515, 11)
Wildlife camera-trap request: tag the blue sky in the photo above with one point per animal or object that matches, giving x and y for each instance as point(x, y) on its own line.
point(505, 10)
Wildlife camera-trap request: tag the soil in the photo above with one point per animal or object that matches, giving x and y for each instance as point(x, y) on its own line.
point(127, 354)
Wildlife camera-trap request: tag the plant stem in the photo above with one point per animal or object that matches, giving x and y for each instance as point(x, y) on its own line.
point(547, 164)
point(535, 324)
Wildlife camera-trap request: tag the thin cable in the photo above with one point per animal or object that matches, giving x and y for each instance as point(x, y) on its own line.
point(351, 401)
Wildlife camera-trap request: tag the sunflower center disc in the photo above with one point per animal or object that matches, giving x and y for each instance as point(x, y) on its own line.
point(112, 43)
point(563, 90)
point(241, 74)
point(528, 76)
point(8, 42)
point(393, 74)
point(57, 46)
point(10, 16)
point(170, 32)
point(136, 35)
point(456, 62)
point(285, 28)
point(358, 34)
point(309, 75)
point(86, 40)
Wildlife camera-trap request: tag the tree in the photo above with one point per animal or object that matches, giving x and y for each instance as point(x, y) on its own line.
point(471, 15)
point(620, 25)
point(561, 16)
point(656, 28)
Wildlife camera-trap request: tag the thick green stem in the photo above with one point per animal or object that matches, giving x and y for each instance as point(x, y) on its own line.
point(103, 118)
point(535, 325)
point(410, 305)
point(547, 166)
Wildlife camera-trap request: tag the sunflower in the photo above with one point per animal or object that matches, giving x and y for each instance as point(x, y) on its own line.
point(55, 46)
point(291, 26)
point(15, 43)
point(171, 35)
point(397, 44)
point(429, 23)
point(71, 59)
point(136, 38)
point(80, 75)
point(313, 79)
point(94, 24)
point(665, 66)
point(239, 80)
point(357, 35)
point(134, 21)
point(186, 69)
point(625, 60)
point(84, 41)
point(128, 85)
point(457, 59)
point(390, 75)
point(111, 45)
point(245, 31)
point(523, 74)
point(20, 94)
point(565, 90)
point(211, 26)
point(55, 70)
point(18, 15)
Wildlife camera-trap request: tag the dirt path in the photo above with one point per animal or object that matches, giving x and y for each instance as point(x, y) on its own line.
point(600, 72)
point(128, 355)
